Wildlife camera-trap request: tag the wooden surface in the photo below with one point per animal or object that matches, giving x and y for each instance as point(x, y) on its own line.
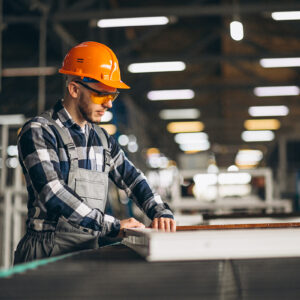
point(238, 226)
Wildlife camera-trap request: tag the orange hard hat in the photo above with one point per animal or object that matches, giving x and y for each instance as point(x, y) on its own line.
point(95, 61)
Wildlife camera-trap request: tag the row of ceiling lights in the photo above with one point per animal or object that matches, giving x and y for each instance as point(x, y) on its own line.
point(258, 111)
point(194, 139)
point(163, 20)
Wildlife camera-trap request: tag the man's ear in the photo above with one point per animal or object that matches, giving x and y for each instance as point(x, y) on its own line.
point(73, 89)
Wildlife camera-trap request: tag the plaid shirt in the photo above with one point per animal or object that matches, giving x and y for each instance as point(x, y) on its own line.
point(45, 165)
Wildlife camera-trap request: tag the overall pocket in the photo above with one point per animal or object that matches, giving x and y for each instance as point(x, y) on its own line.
point(92, 192)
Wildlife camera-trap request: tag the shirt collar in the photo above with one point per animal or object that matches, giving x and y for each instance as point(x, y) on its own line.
point(63, 115)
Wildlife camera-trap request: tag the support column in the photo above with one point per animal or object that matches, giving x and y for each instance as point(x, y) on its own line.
point(282, 165)
point(269, 190)
point(4, 144)
point(6, 246)
point(17, 208)
point(42, 63)
point(1, 41)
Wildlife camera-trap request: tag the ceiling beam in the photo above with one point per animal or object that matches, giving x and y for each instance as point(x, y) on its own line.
point(179, 11)
point(65, 36)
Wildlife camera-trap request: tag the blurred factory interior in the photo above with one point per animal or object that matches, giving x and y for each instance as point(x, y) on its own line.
point(212, 116)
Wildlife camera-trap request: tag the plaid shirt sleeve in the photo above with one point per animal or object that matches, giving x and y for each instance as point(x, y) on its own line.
point(127, 177)
point(38, 156)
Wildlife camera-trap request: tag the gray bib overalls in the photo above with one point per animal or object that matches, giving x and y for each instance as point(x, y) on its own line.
point(91, 186)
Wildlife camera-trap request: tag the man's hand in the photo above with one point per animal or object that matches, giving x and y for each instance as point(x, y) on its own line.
point(129, 223)
point(164, 224)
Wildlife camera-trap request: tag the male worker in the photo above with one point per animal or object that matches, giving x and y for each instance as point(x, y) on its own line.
point(67, 160)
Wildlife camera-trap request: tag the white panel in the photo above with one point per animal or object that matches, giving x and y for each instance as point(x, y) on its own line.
point(214, 244)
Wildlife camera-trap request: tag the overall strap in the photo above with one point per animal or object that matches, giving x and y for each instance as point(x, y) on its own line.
point(66, 137)
point(106, 150)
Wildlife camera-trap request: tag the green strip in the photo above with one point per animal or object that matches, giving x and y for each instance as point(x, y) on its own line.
point(31, 265)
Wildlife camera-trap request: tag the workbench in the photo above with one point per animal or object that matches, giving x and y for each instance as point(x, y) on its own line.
point(117, 272)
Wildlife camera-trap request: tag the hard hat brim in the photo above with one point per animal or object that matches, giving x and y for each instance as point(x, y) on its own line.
point(114, 84)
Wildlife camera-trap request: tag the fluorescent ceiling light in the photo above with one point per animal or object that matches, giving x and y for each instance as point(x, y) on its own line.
point(187, 113)
point(123, 140)
point(201, 146)
point(233, 168)
point(127, 22)
point(258, 136)
point(268, 91)
point(212, 168)
point(248, 157)
point(159, 161)
point(234, 190)
point(280, 62)
point(205, 179)
point(12, 119)
point(171, 94)
point(262, 124)
point(236, 30)
point(176, 127)
point(132, 147)
point(107, 116)
point(12, 162)
point(286, 15)
point(12, 150)
point(168, 66)
point(196, 143)
point(110, 128)
point(190, 138)
point(234, 178)
point(268, 111)
point(222, 178)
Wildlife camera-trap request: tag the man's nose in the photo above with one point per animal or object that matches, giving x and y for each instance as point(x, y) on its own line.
point(108, 104)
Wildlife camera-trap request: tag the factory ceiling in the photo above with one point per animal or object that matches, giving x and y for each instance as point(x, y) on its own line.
point(221, 71)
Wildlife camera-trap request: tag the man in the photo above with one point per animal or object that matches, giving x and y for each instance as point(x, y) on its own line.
point(67, 160)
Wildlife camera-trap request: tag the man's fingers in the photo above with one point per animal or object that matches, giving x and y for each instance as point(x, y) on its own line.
point(135, 223)
point(164, 224)
point(154, 223)
point(173, 225)
point(167, 225)
point(138, 225)
point(161, 224)
point(131, 223)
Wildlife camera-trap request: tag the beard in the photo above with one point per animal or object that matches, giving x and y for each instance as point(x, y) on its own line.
point(87, 114)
